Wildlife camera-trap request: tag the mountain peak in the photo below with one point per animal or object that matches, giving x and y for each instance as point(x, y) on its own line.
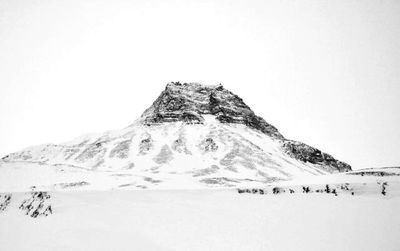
point(188, 102)
point(198, 150)
point(192, 86)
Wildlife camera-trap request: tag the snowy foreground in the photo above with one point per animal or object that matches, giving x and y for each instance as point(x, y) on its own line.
point(206, 220)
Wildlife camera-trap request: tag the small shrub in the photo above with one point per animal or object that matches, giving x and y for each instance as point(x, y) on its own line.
point(327, 189)
point(384, 184)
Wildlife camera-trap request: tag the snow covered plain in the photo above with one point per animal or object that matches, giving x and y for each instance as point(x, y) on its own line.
point(208, 220)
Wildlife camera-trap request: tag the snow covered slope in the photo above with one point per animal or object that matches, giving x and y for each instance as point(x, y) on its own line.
point(192, 136)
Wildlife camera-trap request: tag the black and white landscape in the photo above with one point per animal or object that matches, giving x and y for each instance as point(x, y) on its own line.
point(197, 171)
point(221, 125)
point(192, 136)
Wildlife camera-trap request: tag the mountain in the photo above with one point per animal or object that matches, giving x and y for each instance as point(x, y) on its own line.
point(191, 136)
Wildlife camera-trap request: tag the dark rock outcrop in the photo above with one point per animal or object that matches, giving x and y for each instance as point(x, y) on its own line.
point(312, 155)
point(209, 145)
point(145, 145)
point(189, 101)
point(4, 201)
point(37, 205)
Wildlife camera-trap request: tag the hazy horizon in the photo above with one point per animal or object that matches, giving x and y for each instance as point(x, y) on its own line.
point(322, 72)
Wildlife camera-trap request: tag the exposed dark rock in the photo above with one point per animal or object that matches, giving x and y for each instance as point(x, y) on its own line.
point(312, 155)
point(189, 101)
point(179, 145)
point(209, 145)
point(145, 145)
point(37, 205)
point(5, 200)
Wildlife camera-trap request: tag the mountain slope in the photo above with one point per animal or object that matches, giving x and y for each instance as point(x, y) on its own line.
point(193, 136)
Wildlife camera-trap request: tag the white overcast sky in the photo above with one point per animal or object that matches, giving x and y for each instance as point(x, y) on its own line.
point(323, 72)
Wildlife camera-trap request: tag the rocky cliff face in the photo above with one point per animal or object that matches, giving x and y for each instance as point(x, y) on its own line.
point(189, 102)
point(312, 155)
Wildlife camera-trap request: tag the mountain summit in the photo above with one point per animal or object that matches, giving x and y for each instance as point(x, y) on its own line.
point(191, 136)
point(189, 102)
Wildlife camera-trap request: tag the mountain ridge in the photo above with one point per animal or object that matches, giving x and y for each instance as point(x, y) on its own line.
point(187, 102)
point(192, 134)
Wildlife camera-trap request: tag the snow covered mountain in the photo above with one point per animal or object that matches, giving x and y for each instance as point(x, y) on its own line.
point(192, 136)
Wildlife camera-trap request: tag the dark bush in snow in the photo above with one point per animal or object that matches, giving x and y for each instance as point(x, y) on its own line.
point(277, 190)
point(384, 184)
point(327, 189)
point(241, 190)
point(306, 189)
